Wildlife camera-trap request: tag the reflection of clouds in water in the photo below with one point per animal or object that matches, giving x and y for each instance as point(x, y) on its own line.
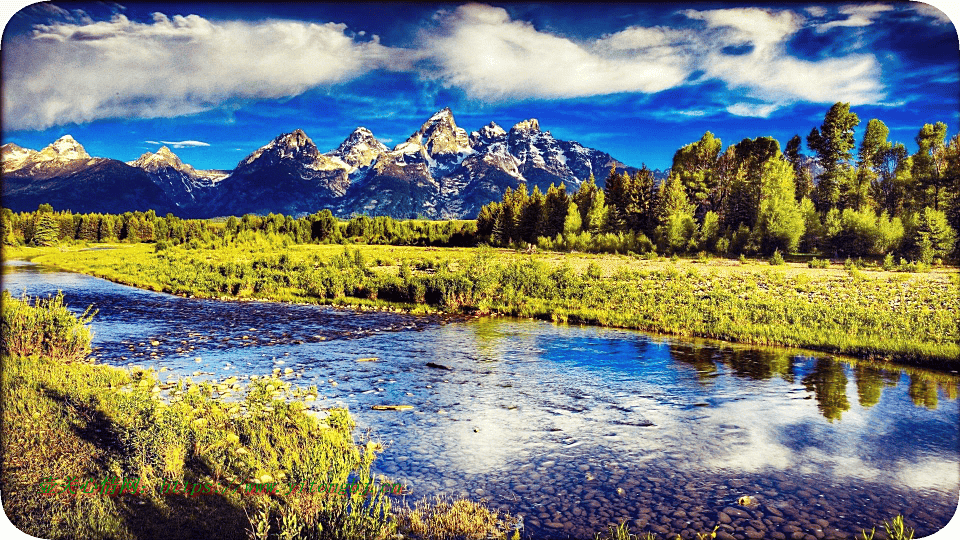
point(847, 450)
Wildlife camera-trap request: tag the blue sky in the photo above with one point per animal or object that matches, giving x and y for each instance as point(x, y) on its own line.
point(635, 80)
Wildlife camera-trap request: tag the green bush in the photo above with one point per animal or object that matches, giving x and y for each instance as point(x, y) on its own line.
point(47, 327)
point(818, 263)
point(776, 259)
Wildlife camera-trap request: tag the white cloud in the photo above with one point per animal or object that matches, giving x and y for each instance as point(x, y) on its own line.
point(82, 70)
point(857, 16)
point(770, 74)
point(816, 11)
point(180, 144)
point(480, 49)
point(931, 11)
point(753, 109)
point(78, 72)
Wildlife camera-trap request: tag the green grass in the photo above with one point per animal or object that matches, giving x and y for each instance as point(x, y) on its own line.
point(909, 317)
point(79, 420)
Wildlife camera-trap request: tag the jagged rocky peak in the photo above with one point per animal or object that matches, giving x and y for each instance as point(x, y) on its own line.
point(360, 149)
point(487, 134)
point(531, 125)
point(294, 145)
point(439, 135)
point(15, 156)
point(162, 158)
point(295, 140)
point(65, 148)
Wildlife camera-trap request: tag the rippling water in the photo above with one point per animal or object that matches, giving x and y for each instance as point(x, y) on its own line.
point(576, 428)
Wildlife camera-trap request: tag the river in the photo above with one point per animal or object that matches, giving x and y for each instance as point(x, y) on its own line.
point(574, 427)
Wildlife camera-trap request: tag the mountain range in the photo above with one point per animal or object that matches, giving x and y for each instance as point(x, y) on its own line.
point(439, 172)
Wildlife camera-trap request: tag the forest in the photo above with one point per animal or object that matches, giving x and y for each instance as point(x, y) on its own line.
point(753, 198)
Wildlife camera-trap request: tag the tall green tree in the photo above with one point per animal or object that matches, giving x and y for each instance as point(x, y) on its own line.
point(833, 144)
point(591, 202)
point(780, 222)
point(803, 180)
point(676, 223)
point(533, 216)
point(930, 162)
point(555, 210)
point(695, 165)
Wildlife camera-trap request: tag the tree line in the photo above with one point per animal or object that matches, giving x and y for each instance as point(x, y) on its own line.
point(753, 198)
point(47, 227)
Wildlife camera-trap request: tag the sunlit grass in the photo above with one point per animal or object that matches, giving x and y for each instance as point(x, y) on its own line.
point(869, 314)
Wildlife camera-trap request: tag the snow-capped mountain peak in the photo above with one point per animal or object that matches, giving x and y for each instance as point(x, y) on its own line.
point(531, 125)
point(441, 139)
point(163, 158)
point(359, 149)
point(65, 148)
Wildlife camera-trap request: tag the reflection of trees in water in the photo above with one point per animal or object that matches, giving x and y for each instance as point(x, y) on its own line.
point(828, 382)
point(871, 381)
point(923, 391)
point(701, 358)
point(756, 364)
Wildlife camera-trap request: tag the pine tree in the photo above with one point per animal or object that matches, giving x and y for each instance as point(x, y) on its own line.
point(46, 229)
point(676, 224)
point(780, 222)
point(833, 144)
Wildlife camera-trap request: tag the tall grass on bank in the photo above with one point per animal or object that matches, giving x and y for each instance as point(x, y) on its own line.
point(870, 315)
point(49, 328)
point(78, 420)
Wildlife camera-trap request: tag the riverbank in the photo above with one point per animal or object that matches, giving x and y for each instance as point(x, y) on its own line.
point(899, 316)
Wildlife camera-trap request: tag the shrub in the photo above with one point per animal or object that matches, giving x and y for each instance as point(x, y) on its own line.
point(818, 263)
point(47, 328)
point(776, 259)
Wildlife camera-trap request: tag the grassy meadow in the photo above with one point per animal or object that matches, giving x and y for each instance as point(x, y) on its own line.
point(846, 309)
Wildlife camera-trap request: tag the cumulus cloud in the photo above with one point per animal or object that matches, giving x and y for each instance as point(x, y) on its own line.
point(481, 50)
point(82, 71)
point(768, 73)
point(857, 16)
point(180, 144)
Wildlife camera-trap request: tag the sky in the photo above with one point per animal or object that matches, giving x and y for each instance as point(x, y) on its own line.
point(214, 82)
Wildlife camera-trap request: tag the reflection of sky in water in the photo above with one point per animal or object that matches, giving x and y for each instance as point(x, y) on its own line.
point(522, 391)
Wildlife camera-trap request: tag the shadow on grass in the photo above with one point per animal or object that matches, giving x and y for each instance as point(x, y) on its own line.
point(155, 515)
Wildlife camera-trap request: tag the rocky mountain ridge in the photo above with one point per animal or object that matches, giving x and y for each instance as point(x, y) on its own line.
point(439, 172)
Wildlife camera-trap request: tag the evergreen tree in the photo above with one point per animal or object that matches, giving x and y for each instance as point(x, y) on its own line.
point(645, 188)
point(533, 217)
point(930, 164)
point(833, 144)
point(676, 223)
point(930, 236)
point(46, 228)
point(572, 222)
point(803, 180)
point(779, 221)
point(555, 207)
